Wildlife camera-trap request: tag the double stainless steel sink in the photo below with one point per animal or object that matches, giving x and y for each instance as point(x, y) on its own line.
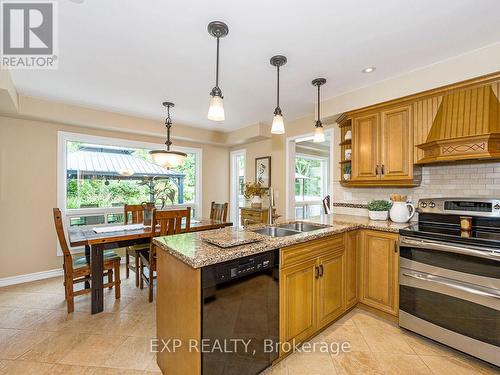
point(288, 229)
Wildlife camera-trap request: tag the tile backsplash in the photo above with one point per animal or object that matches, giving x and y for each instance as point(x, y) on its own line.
point(464, 179)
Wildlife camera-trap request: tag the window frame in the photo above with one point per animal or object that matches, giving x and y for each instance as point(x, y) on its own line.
point(64, 137)
point(325, 171)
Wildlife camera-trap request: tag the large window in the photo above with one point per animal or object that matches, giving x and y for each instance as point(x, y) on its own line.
point(98, 175)
point(311, 183)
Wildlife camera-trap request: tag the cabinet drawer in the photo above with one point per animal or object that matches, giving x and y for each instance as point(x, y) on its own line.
point(304, 251)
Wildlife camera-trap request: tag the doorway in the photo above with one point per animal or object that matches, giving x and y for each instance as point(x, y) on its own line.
point(309, 175)
point(238, 159)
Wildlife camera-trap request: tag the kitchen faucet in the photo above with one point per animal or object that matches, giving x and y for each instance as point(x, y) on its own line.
point(271, 212)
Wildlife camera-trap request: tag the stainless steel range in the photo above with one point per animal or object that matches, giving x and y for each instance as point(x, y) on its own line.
point(449, 275)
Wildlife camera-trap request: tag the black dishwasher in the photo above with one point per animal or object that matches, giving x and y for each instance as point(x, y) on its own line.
point(240, 315)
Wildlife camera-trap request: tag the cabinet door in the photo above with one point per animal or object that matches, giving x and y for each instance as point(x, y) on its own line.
point(379, 271)
point(365, 135)
point(330, 287)
point(396, 151)
point(297, 301)
point(352, 268)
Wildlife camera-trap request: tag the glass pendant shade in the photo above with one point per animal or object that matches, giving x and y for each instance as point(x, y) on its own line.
point(168, 159)
point(319, 134)
point(216, 109)
point(278, 126)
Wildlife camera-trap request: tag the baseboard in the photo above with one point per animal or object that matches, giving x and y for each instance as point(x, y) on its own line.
point(19, 279)
point(12, 280)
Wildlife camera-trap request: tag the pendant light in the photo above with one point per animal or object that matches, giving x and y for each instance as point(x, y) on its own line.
point(216, 107)
point(168, 158)
point(278, 127)
point(319, 133)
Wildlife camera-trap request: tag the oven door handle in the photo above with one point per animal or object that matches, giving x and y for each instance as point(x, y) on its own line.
point(449, 283)
point(487, 253)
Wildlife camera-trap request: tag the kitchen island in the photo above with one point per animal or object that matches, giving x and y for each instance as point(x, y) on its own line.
point(320, 272)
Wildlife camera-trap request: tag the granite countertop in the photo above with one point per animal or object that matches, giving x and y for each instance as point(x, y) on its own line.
point(192, 250)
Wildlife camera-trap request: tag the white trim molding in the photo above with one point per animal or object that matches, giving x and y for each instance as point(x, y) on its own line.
point(19, 279)
point(233, 170)
point(290, 166)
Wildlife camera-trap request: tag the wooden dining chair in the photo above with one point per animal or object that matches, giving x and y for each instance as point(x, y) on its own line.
point(326, 205)
point(168, 222)
point(134, 214)
point(77, 269)
point(218, 211)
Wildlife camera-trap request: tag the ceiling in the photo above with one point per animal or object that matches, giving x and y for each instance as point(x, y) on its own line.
point(128, 56)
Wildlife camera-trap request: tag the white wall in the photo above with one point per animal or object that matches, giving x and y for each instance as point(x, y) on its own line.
point(460, 68)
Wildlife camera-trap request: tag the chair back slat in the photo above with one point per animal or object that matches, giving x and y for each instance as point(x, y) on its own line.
point(67, 259)
point(170, 221)
point(136, 211)
point(218, 211)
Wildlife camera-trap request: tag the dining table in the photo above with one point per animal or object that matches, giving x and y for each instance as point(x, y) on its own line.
point(96, 241)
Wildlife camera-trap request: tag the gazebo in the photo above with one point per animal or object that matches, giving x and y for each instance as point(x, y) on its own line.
point(115, 163)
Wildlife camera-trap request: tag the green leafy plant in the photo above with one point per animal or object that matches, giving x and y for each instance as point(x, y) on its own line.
point(379, 205)
point(347, 168)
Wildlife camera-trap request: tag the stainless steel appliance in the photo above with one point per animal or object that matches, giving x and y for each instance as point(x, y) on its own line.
point(450, 278)
point(240, 314)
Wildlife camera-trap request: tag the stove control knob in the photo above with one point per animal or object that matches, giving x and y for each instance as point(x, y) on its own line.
point(496, 206)
point(423, 204)
point(432, 204)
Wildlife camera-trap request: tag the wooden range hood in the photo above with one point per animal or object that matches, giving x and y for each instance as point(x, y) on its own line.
point(466, 126)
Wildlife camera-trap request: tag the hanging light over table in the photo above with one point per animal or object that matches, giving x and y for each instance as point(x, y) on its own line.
point(216, 108)
point(278, 126)
point(168, 158)
point(319, 133)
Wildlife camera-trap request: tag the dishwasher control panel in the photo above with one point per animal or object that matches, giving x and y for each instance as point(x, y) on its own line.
point(245, 266)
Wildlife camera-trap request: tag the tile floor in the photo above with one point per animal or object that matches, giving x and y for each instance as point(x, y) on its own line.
point(38, 337)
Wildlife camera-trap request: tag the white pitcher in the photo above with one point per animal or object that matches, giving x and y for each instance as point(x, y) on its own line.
point(399, 212)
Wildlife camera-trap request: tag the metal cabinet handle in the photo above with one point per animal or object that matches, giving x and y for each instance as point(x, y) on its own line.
point(320, 270)
point(316, 272)
point(395, 247)
point(376, 170)
point(383, 169)
point(483, 252)
point(451, 284)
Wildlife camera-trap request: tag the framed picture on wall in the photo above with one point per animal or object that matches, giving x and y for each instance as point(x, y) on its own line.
point(263, 171)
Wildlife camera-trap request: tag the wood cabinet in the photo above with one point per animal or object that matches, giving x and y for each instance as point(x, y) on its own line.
point(352, 250)
point(379, 270)
point(298, 300)
point(382, 148)
point(365, 133)
point(396, 151)
point(330, 288)
point(311, 287)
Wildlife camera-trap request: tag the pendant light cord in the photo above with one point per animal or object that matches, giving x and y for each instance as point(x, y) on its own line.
point(217, 66)
point(318, 122)
point(278, 88)
point(168, 124)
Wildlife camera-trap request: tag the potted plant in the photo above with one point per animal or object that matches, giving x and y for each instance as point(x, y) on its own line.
point(254, 192)
point(347, 171)
point(378, 209)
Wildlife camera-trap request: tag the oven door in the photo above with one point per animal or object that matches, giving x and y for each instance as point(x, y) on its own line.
point(451, 296)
